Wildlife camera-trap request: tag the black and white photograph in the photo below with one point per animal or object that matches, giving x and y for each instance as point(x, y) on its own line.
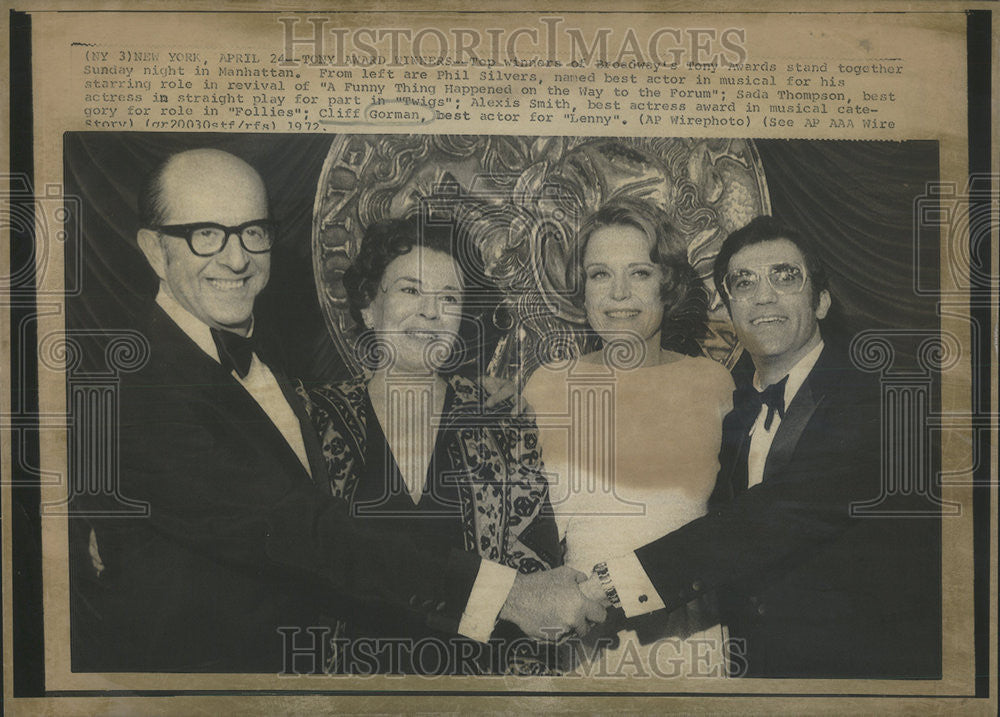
point(428, 357)
point(474, 405)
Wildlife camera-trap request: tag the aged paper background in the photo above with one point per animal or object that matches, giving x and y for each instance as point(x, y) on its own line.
point(926, 41)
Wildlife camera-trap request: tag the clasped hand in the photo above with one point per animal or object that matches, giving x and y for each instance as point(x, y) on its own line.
point(550, 604)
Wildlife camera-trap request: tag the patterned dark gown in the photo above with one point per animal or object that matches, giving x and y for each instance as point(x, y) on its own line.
point(484, 492)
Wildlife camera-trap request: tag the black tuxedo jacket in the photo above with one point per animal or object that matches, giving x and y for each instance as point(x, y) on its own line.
point(238, 541)
point(807, 590)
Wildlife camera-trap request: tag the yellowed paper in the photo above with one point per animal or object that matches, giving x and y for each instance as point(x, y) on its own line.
point(663, 82)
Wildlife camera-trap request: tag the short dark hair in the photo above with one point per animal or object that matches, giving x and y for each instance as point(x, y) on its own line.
point(388, 239)
point(763, 229)
point(685, 301)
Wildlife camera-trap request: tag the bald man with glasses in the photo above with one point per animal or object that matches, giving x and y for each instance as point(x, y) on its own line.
point(241, 551)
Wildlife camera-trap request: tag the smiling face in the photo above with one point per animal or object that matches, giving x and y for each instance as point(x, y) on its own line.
point(622, 289)
point(210, 186)
point(776, 329)
point(417, 308)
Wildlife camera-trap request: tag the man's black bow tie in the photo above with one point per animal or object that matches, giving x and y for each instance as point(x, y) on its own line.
point(235, 351)
point(749, 400)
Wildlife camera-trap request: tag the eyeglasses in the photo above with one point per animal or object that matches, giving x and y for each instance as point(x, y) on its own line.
point(741, 285)
point(208, 238)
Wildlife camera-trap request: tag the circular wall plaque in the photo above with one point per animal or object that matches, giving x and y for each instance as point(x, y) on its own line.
point(523, 199)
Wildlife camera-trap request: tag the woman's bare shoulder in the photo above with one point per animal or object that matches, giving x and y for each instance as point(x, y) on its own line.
point(699, 368)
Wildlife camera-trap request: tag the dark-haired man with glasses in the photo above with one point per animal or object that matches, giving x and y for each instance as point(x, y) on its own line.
point(807, 587)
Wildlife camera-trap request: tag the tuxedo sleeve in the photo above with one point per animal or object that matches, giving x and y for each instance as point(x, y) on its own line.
point(315, 535)
point(211, 487)
point(489, 593)
point(780, 521)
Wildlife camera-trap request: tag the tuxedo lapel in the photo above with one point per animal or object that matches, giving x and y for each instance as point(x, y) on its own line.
point(732, 479)
point(222, 391)
point(314, 451)
point(245, 410)
point(810, 395)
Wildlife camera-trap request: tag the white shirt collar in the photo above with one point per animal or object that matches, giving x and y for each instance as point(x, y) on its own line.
point(797, 376)
point(196, 329)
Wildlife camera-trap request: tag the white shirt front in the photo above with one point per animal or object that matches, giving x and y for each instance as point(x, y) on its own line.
point(493, 581)
point(634, 588)
point(762, 438)
point(260, 383)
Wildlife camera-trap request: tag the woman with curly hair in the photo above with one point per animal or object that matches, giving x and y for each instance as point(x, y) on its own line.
point(631, 431)
point(413, 446)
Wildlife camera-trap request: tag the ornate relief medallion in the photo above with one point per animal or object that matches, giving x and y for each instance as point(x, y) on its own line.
point(522, 199)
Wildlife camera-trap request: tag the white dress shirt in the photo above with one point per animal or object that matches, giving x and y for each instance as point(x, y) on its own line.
point(259, 382)
point(634, 588)
point(762, 438)
point(493, 581)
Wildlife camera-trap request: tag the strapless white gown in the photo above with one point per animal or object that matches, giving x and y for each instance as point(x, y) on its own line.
point(630, 456)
